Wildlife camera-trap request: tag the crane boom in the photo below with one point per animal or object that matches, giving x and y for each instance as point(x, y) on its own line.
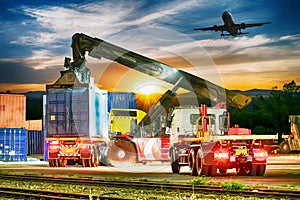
point(98, 48)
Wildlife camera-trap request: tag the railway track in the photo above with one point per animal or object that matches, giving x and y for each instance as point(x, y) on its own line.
point(19, 193)
point(259, 192)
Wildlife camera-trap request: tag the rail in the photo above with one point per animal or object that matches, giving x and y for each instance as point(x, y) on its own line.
point(19, 193)
point(258, 192)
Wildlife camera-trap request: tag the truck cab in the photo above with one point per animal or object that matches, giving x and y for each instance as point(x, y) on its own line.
point(187, 122)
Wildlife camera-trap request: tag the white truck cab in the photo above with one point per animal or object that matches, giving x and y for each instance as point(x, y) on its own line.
point(184, 121)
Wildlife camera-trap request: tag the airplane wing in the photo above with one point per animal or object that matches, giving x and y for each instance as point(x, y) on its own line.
point(243, 25)
point(213, 28)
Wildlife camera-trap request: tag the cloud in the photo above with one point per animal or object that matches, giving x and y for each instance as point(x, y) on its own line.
point(102, 19)
point(28, 70)
point(48, 30)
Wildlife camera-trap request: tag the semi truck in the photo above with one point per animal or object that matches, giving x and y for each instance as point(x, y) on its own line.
point(149, 140)
point(201, 138)
point(75, 121)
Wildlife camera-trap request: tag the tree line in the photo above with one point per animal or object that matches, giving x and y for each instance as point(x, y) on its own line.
point(269, 115)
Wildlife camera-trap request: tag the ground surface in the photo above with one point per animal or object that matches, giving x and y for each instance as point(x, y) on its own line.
point(282, 171)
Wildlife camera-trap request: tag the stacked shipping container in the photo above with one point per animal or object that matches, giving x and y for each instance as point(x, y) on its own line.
point(35, 137)
point(13, 136)
point(126, 100)
point(12, 111)
point(13, 143)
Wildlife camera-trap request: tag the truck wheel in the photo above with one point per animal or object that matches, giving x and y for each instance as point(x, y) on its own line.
point(212, 170)
point(253, 171)
point(175, 167)
point(62, 162)
point(56, 163)
point(87, 162)
point(202, 170)
point(284, 147)
point(94, 158)
point(83, 162)
point(192, 164)
point(51, 163)
point(261, 169)
point(175, 164)
point(121, 152)
point(205, 170)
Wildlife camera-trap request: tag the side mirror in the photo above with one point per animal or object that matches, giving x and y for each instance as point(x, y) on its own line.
point(224, 123)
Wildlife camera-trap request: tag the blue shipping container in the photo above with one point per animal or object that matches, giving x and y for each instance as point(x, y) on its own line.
point(126, 100)
point(13, 144)
point(76, 111)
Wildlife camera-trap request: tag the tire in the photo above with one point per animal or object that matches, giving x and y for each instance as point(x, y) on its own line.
point(83, 162)
point(192, 164)
point(253, 171)
point(121, 152)
point(202, 170)
point(87, 162)
point(212, 170)
point(94, 158)
point(261, 169)
point(51, 163)
point(56, 163)
point(62, 162)
point(205, 170)
point(284, 147)
point(174, 163)
point(175, 167)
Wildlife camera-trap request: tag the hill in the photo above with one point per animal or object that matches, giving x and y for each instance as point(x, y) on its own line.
point(254, 92)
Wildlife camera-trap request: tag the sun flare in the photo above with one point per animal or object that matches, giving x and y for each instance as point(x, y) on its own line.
point(148, 89)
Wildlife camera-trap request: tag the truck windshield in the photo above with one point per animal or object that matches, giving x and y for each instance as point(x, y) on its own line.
point(193, 118)
point(224, 125)
point(124, 113)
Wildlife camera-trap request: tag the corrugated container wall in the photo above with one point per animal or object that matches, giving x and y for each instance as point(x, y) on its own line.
point(13, 143)
point(76, 111)
point(126, 100)
point(12, 111)
point(35, 142)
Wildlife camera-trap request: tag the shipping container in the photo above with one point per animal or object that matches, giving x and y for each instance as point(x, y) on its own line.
point(12, 111)
point(76, 111)
point(35, 142)
point(13, 144)
point(126, 100)
point(34, 125)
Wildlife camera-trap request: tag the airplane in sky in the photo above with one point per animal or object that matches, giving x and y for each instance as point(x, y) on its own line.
point(232, 28)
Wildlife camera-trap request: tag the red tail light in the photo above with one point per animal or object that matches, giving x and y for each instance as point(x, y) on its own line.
point(54, 147)
point(260, 153)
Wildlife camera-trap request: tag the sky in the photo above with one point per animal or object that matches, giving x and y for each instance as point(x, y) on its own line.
point(35, 37)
